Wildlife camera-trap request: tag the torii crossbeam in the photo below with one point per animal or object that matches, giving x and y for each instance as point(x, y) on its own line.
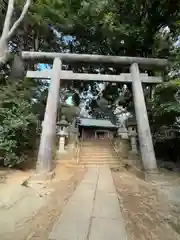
point(69, 75)
point(100, 59)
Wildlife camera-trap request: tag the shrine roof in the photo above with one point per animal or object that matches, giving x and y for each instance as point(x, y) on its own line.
point(91, 122)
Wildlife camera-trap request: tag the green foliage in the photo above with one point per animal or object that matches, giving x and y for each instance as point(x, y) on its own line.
point(18, 123)
point(120, 27)
point(69, 112)
point(175, 62)
point(111, 92)
point(165, 106)
point(25, 183)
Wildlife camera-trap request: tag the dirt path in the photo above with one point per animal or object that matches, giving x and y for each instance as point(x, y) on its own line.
point(147, 213)
point(64, 185)
point(145, 210)
point(42, 203)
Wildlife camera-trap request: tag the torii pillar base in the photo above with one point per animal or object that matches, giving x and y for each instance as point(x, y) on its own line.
point(41, 177)
point(154, 176)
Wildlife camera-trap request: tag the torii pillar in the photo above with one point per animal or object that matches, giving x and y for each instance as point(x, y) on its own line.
point(47, 142)
point(144, 133)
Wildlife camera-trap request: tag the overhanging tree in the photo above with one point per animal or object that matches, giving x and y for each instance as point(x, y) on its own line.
point(9, 28)
point(119, 27)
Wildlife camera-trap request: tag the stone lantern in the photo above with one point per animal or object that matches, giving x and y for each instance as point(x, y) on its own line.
point(63, 133)
point(122, 132)
point(132, 133)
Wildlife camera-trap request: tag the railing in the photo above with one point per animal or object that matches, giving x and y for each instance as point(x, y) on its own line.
point(114, 148)
point(77, 150)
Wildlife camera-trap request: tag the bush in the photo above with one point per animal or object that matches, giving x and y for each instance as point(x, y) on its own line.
point(17, 124)
point(165, 103)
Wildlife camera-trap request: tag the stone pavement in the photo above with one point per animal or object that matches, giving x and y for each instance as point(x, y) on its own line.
point(93, 212)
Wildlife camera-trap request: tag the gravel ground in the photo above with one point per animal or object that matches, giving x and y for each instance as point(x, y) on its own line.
point(147, 213)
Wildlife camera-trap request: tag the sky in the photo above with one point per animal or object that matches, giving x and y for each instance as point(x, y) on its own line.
point(66, 39)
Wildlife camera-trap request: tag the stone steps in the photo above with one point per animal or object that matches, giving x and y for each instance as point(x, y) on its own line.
point(82, 165)
point(96, 150)
point(99, 163)
point(100, 159)
point(96, 147)
point(92, 154)
point(91, 164)
point(98, 153)
point(97, 157)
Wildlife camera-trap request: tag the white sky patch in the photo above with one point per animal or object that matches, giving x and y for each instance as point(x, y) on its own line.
point(165, 30)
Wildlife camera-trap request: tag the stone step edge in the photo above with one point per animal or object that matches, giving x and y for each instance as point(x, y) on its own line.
point(97, 157)
point(100, 162)
point(97, 164)
point(98, 154)
point(80, 162)
point(88, 158)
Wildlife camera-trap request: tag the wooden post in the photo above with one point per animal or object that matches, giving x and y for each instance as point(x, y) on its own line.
point(47, 141)
point(146, 144)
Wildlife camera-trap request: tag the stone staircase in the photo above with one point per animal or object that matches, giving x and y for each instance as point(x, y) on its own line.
point(98, 152)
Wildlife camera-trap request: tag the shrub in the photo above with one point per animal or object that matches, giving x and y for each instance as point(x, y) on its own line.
point(17, 124)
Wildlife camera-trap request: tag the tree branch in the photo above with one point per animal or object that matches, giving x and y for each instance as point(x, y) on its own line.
point(20, 19)
point(7, 20)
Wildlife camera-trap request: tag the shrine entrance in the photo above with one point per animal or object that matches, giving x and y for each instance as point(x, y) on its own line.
point(92, 134)
point(94, 129)
point(102, 134)
point(56, 74)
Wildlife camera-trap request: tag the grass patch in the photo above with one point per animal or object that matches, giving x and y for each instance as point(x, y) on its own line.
point(25, 183)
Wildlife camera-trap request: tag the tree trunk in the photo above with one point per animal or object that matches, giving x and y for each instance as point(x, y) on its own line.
point(3, 51)
point(18, 68)
point(8, 32)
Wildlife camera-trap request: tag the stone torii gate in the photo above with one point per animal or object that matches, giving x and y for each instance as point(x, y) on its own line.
point(45, 154)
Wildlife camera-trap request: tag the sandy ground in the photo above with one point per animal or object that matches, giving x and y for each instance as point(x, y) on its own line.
point(148, 213)
point(64, 185)
point(151, 211)
point(29, 212)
